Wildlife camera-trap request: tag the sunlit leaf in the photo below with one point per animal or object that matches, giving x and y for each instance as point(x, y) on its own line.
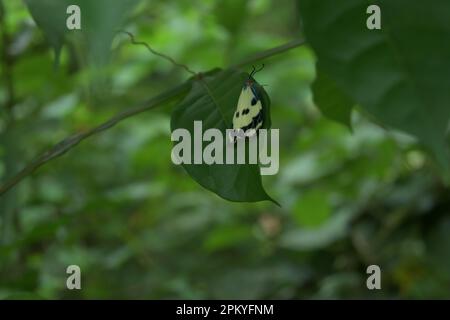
point(227, 236)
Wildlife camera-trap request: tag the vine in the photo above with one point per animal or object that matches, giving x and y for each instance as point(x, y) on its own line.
point(70, 142)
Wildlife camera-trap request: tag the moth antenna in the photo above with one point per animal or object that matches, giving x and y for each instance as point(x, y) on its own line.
point(262, 67)
point(254, 70)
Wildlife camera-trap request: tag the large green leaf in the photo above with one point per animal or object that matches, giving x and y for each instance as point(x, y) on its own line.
point(400, 74)
point(53, 25)
point(213, 100)
point(331, 100)
point(100, 21)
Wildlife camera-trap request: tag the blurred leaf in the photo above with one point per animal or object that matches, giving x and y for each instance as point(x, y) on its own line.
point(312, 209)
point(213, 100)
point(256, 281)
point(335, 228)
point(332, 102)
point(438, 241)
point(53, 25)
point(400, 74)
point(227, 236)
point(100, 21)
point(336, 284)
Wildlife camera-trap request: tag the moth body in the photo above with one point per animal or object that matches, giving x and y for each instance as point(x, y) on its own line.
point(248, 117)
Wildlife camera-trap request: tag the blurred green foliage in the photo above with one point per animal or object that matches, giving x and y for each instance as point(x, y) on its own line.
point(140, 227)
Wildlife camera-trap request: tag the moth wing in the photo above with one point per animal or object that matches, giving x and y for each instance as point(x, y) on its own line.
point(239, 119)
point(245, 110)
point(248, 115)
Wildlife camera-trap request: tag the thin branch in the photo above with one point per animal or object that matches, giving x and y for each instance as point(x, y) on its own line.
point(162, 55)
point(68, 143)
point(65, 145)
point(269, 53)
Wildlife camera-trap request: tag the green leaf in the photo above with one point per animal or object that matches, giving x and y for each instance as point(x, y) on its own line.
point(53, 25)
point(100, 21)
point(312, 209)
point(399, 74)
point(213, 100)
point(331, 100)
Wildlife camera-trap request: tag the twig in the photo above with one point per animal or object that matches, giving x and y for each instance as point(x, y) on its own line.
point(162, 55)
point(65, 145)
point(68, 143)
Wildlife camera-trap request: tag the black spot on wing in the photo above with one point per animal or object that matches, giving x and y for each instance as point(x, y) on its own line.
point(237, 114)
point(254, 101)
point(255, 121)
point(245, 111)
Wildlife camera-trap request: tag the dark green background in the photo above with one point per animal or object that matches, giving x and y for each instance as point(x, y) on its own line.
point(140, 227)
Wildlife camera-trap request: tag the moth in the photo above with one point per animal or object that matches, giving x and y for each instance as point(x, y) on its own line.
point(249, 116)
